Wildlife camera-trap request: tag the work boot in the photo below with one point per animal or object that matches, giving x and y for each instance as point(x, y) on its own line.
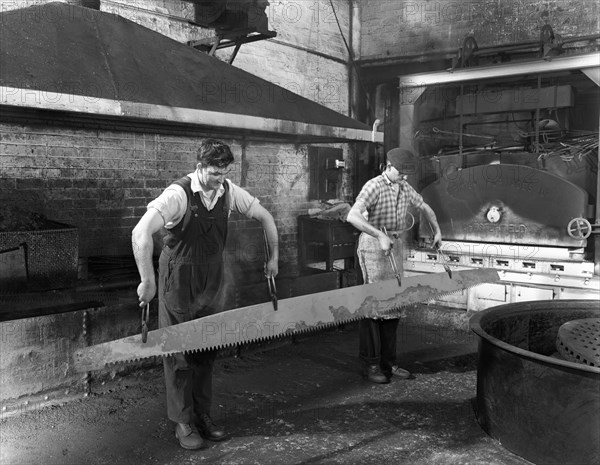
point(374, 374)
point(189, 437)
point(400, 372)
point(209, 430)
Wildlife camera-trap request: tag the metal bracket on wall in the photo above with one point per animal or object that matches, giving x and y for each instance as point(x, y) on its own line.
point(230, 39)
point(551, 44)
point(467, 52)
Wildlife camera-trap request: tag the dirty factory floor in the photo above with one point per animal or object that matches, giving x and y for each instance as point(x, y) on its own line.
point(301, 402)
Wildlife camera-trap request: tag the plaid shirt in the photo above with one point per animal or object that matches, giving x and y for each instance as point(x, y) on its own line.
point(387, 203)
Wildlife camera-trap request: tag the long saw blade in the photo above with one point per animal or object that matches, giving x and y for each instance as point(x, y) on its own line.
point(294, 315)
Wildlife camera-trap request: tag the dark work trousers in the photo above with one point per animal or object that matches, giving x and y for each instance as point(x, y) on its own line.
point(190, 277)
point(188, 377)
point(377, 342)
point(377, 336)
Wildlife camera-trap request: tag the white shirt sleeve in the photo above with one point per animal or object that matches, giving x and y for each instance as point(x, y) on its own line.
point(171, 205)
point(241, 200)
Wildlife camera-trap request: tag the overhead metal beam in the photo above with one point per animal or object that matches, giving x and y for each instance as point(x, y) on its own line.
point(567, 63)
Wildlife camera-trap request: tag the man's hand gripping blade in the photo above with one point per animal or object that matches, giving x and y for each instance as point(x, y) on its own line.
point(294, 315)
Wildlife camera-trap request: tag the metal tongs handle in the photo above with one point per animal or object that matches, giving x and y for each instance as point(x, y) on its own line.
point(444, 260)
point(145, 317)
point(392, 259)
point(441, 255)
point(270, 279)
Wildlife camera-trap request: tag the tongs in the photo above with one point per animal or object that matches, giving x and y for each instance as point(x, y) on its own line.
point(270, 279)
point(441, 256)
point(145, 317)
point(392, 259)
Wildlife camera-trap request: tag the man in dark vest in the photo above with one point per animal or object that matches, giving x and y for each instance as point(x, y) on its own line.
point(195, 211)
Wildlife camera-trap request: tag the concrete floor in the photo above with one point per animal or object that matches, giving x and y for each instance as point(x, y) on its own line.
point(296, 403)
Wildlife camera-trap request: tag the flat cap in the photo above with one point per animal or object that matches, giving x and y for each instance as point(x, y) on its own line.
point(403, 160)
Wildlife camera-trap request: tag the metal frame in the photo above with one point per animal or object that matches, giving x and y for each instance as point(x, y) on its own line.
point(221, 41)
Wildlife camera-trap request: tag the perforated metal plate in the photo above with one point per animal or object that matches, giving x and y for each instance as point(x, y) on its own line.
point(579, 341)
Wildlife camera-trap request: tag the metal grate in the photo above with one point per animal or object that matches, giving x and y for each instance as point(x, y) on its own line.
point(579, 341)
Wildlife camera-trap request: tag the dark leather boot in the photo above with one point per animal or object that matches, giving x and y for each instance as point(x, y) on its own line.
point(188, 437)
point(374, 374)
point(400, 372)
point(209, 430)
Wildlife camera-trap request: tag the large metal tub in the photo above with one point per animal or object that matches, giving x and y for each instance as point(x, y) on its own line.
point(536, 404)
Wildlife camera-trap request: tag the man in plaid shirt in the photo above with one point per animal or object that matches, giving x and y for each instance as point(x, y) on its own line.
point(383, 203)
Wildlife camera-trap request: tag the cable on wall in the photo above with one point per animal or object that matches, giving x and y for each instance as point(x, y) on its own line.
point(351, 58)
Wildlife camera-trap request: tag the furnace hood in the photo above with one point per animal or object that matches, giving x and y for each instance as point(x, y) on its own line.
point(90, 64)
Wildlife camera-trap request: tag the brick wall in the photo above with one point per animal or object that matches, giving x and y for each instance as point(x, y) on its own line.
point(392, 28)
point(101, 182)
point(97, 181)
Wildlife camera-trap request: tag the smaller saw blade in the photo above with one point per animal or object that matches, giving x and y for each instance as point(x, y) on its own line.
point(294, 315)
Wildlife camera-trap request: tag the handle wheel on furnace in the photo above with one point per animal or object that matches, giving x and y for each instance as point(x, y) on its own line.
point(579, 228)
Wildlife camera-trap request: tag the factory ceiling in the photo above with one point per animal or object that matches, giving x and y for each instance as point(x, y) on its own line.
point(84, 63)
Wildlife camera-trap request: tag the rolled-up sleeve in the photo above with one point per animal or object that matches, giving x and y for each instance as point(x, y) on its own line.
point(242, 201)
point(171, 205)
point(368, 196)
point(416, 199)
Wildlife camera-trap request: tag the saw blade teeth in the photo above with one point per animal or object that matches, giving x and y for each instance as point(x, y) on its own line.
point(415, 290)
